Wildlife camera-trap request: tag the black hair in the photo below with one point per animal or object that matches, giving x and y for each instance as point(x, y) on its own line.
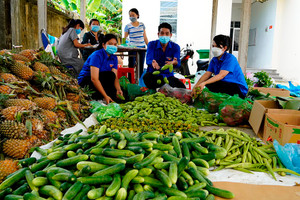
point(108, 37)
point(94, 20)
point(72, 24)
point(165, 25)
point(135, 11)
point(223, 40)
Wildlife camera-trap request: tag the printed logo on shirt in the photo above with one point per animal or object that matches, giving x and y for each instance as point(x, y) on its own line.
point(111, 65)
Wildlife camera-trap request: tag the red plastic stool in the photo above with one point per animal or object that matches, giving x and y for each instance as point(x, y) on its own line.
point(184, 82)
point(124, 71)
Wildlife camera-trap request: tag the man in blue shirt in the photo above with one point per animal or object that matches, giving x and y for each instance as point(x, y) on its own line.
point(229, 77)
point(159, 53)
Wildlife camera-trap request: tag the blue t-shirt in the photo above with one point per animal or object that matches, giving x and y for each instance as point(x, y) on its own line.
point(229, 63)
point(98, 59)
point(155, 52)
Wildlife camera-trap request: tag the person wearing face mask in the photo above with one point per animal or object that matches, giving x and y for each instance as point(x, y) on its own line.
point(100, 71)
point(228, 76)
point(159, 53)
point(137, 36)
point(67, 49)
point(94, 37)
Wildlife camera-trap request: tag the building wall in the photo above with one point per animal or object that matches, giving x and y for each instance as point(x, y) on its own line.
point(286, 50)
point(236, 12)
point(263, 15)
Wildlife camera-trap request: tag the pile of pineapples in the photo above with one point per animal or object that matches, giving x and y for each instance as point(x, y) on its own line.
point(38, 99)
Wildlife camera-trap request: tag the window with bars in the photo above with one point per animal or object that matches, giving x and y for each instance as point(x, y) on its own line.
point(168, 13)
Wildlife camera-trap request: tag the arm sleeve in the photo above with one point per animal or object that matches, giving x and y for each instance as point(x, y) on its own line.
point(85, 38)
point(126, 29)
point(177, 55)
point(150, 56)
point(95, 61)
point(211, 66)
point(73, 35)
point(115, 63)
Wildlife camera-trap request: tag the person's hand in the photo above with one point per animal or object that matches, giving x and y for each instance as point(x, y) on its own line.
point(108, 99)
point(88, 45)
point(155, 65)
point(198, 89)
point(120, 92)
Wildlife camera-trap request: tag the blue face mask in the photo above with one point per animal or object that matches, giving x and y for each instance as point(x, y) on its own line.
point(133, 19)
point(111, 49)
point(78, 31)
point(95, 28)
point(164, 39)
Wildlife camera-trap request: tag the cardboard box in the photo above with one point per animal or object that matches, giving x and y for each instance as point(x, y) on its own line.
point(277, 92)
point(285, 128)
point(256, 119)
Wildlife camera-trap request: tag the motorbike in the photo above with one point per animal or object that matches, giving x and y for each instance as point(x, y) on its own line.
point(185, 54)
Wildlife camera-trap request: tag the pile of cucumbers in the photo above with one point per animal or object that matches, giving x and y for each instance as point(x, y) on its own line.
point(111, 164)
point(157, 106)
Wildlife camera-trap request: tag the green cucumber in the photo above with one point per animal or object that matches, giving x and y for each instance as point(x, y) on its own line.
point(138, 188)
point(95, 193)
point(57, 170)
point(197, 193)
point(152, 182)
point(144, 145)
point(169, 157)
point(64, 177)
point(201, 162)
point(114, 186)
point(71, 154)
point(122, 144)
point(177, 147)
point(138, 179)
point(128, 177)
point(95, 180)
point(172, 192)
point(72, 191)
point(199, 148)
point(210, 197)
point(182, 164)
point(162, 165)
point(219, 192)
point(173, 170)
point(149, 159)
point(72, 147)
point(39, 166)
point(27, 161)
point(40, 181)
point(134, 159)
point(181, 183)
point(29, 178)
point(164, 178)
point(121, 194)
point(117, 153)
point(131, 195)
point(84, 171)
point(185, 150)
point(13, 197)
point(8, 182)
point(40, 174)
point(83, 193)
point(49, 175)
point(20, 190)
point(93, 165)
point(56, 155)
point(144, 195)
point(163, 147)
point(107, 160)
point(145, 172)
point(97, 151)
point(110, 170)
point(65, 186)
point(196, 175)
point(72, 161)
point(7, 191)
point(195, 140)
point(30, 196)
point(195, 187)
point(136, 149)
point(51, 191)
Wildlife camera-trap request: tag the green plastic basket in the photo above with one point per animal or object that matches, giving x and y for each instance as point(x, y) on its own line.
point(203, 53)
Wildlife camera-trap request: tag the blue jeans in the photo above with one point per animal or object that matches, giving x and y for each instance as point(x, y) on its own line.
point(132, 60)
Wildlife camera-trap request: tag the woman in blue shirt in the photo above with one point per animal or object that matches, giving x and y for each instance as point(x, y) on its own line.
point(228, 76)
point(99, 72)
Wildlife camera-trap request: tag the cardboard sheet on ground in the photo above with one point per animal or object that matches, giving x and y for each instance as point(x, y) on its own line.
point(259, 192)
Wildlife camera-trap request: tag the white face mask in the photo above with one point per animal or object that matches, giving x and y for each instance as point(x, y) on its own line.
point(216, 51)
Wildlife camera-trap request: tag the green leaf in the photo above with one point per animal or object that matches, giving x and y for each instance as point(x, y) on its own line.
point(94, 6)
point(117, 3)
point(65, 3)
point(109, 6)
point(73, 6)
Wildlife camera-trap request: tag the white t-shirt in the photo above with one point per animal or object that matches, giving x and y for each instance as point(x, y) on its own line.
point(136, 34)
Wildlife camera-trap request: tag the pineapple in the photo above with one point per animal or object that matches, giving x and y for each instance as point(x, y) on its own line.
point(61, 114)
point(17, 148)
point(20, 57)
point(45, 102)
point(13, 129)
point(26, 103)
point(54, 70)
point(73, 97)
point(10, 112)
point(38, 129)
point(22, 71)
point(3, 51)
point(4, 89)
point(45, 91)
point(41, 67)
point(8, 78)
point(48, 116)
point(7, 167)
point(28, 53)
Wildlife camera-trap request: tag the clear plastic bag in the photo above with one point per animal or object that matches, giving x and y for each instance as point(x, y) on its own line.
point(184, 95)
point(289, 155)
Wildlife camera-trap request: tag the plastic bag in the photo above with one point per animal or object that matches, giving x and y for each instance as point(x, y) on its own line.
point(136, 90)
point(141, 80)
point(103, 112)
point(184, 95)
point(289, 155)
point(234, 110)
point(124, 82)
point(210, 101)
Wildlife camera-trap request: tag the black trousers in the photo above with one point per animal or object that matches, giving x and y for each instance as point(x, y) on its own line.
point(132, 60)
point(225, 87)
point(150, 81)
point(107, 80)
